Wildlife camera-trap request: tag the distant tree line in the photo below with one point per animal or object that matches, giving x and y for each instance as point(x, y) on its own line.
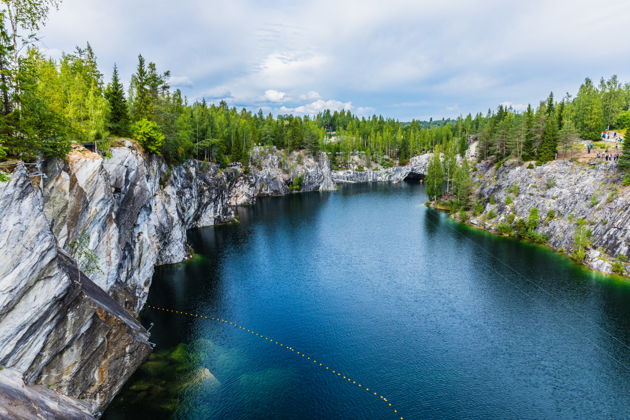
point(47, 104)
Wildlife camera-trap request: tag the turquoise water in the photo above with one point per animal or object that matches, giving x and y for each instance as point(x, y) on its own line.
point(444, 321)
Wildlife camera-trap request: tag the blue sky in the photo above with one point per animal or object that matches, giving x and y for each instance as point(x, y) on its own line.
point(402, 59)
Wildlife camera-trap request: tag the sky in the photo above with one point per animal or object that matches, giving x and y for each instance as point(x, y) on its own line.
point(401, 59)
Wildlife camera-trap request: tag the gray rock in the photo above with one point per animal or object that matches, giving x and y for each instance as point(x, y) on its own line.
point(570, 191)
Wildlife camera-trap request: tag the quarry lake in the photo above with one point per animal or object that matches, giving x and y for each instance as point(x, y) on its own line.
point(433, 317)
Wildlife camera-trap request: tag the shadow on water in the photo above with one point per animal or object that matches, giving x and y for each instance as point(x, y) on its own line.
point(446, 320)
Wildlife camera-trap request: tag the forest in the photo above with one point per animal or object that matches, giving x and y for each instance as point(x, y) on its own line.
point(48, 104)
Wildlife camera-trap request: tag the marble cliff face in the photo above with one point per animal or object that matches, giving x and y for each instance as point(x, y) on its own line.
point(69, 341)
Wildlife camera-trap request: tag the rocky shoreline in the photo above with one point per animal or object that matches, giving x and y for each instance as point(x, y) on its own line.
point(577, 206)
point(69, 342)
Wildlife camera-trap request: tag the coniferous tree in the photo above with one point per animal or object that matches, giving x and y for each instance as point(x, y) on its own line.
point(463, 184)
point(140, 101)
point(435, 176)
point(118, 118)
point(549, 141)
point(528, 144)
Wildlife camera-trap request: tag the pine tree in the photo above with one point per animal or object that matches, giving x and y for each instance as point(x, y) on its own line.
point(549, 141)
point(449, 164)
point(435, 176)
point(141, 106)
point(528, 144)
point(118, 119)
point(568, 136)
point(463, 184)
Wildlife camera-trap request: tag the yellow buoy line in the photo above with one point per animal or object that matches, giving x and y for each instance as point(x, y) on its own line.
point(307, 357)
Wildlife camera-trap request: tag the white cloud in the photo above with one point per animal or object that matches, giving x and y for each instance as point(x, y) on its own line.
point(180, 81)
point(272, 95)
point(310, 95)
point(317, 107)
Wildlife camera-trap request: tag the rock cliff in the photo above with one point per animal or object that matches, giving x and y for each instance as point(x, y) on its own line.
point(570, 198)
point(416, 169)
point(78, 336)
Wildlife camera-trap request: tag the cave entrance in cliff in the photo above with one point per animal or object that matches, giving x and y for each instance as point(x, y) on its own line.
point(414, 178)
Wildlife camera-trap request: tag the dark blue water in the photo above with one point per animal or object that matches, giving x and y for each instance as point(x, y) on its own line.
point(445, 321)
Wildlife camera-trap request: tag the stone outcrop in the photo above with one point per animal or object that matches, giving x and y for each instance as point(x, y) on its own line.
point(272, 172)
point(77, 335)
point(416, 169)
point(21, 401)
point(566, 194)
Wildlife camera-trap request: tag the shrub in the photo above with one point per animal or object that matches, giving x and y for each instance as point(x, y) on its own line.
point(520, 228)
point(149, 135)
point(514, 189)
point(594, 200)
point(505, 229)
point(296, 183)
point(539, 238)
point(491, 215)
point(626, 181)
point(582, 240)
point(463, 215)
point(533, 219)
point(618, 267)
point(530, 166)
point(478, 208)
point(493, 200)
point(508, 200)
point(550, 215)
point(511, 218)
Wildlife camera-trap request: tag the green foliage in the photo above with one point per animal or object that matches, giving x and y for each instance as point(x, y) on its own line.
point(462, 184)
point(505, 229)
point(492, 200)
point(4, 177)
point(296, 183)
point(618, 267)
point(85, 258)
point(623, 120)
point(589, 112)
point(550, 215)
point(479, 207)
point(549, 140)
point(533, 220)
point(435, 176)
point(508, 200)
point(594, 200)
point(511, 217)
point(149, 135)
point(581, 239)
point(624, 158)
point(61, 101)
point(514, 189)
point(491, 214)
point(118, 118)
